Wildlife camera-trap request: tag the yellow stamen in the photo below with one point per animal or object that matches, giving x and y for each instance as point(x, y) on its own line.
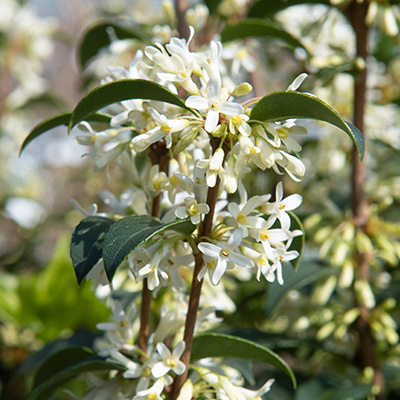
point(264, 236)
point(165, 127)
point(241, 219)
point(225, 253)
point(214, 106)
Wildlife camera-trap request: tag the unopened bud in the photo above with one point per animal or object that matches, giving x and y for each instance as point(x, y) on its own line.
point(364, 293)
point(242, 89)
point(350, 316)
point(390, 22)
point(325, 331)
point(323, 292)
point(347, 275)
point(169, 10)
point(220, 131)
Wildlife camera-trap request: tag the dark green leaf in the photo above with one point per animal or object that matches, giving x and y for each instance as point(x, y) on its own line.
point(268, 8)
point(87, 244)
point(294, 280)
point(78, 339)
point(212, 5)
point(97, 37)
point(53, 122)
point(354, 392)
point(221, 345)
point(259, 28)
point(298, 241)
point(125, 89)
point(280, 106)
point(60, 360)
point(64, 366)
point(128, 233)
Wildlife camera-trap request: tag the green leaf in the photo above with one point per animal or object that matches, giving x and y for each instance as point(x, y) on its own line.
point(128, 233)
point(97, 37)
point(298, 241)
point(78, 339)
point(221, 345)
point(87, 244)
point(353, 392)
point(280, 106)
point(125, 89)
point(294, 280)
point(260, 28)
point(212, 5)
point(268, 8)
point(64, 366)
point(57, 120)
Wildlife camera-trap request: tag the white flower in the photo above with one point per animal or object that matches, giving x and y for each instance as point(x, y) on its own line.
point(154, 392)
point(278, 208)
point(270, 238)
point(170, 361)
point(241, 215)
point(193, 209)
point(224, 253)
point(237, 123)
point(256, 394)
point(213, 105)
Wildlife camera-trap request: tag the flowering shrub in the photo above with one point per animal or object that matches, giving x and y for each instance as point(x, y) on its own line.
point(186, 134)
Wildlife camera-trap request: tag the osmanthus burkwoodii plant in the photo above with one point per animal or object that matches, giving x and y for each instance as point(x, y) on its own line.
point(176, 125)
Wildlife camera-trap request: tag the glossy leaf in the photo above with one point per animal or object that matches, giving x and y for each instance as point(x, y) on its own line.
point(268, 8)
point(221, 345)
point(128, 233)
point(299, 241)
point(58, 120)
point(78, 339)
point(97, 37)
point(294, 280)
point(87, 244)
point(281, 106)
point(64, 366)
point(125, 89)
point(354, 392)
point(258, 28)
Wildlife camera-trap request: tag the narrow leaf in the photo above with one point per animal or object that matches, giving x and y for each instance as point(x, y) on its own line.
point(294, 280)
point(55, 373)
point(354, 392)
point(97, 37)
point(128, 233)
point(87, 244)
point(268, 8)
point(280, 106)
point(298, 241)
point(58, 120)
point(221, 345)
point(125, 89)
point(259, 28)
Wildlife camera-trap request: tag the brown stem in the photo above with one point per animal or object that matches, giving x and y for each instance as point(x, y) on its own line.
point(195, 290)
point(366, 355)
point(181, 7)
point(158, 155)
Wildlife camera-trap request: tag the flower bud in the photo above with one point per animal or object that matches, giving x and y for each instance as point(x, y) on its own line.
point(347, 275)
point(220, 131)
point(364, 293)
point(390, 22)
point(242, 89)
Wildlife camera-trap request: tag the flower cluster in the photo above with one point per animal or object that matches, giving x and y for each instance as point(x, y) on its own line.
point(199, 156)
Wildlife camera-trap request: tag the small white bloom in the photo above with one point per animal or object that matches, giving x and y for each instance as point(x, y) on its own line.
point(278, 209)
point(193, 209)
point(170, 361)
point(224, 253)
point(213, 105)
